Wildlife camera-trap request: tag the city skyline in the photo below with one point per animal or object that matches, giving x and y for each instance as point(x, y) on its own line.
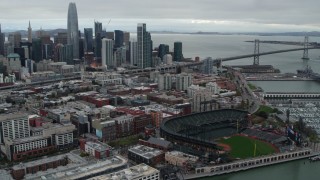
point(178, 15)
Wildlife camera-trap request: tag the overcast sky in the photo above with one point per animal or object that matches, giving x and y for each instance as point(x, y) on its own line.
point(169, 15)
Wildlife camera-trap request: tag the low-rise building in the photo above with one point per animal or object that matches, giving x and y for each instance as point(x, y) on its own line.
point(180, 159)
point(97, 149)
point(138, 172)
point(144, 154)
point(158, 143)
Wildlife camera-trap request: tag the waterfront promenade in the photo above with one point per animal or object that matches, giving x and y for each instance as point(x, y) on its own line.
point(251, 163)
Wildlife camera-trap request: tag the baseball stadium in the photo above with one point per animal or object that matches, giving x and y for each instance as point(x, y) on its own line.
point(213, 131)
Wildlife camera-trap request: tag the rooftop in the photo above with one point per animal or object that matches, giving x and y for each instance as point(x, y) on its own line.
point(182, 155)
point(160, 142)
point(17, 115)
point(134, 172)
point(145, 151)
point(13, 55)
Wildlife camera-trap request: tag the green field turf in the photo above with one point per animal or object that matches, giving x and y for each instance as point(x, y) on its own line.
point(243, 147)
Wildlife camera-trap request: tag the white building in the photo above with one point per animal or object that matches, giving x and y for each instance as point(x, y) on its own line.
point(213, 87)
point(193, 88)
point(165, 82)
point(13, 62)
point(199, 97)
point(108, 78)
point(1, 78)
point(107, 52)
point(138, 172)
point(167, 59)
point(133, 53)
point(183, 81)
point(14, 126)
point(207, 66)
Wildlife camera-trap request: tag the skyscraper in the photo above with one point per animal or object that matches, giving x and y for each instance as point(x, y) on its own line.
point(36, 49)
point(126, 38)
point(88, 39)
point(144, 47)
point(107, 52)
point(16, 39)
point(177, 56)
point(207, 66)
point(118, 38)
point(73, 30)
point(163, 50)
point(29, 33)
point(97, 27)
point(183, 81)
point(133, 53)
point(2, 39)
point(98, 38)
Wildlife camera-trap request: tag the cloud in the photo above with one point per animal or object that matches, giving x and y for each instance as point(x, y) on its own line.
point(173, 14)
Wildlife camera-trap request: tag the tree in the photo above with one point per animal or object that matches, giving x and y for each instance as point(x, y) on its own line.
point(263, 114)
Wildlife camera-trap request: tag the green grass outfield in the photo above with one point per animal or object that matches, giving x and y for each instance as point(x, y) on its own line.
point(243, 147)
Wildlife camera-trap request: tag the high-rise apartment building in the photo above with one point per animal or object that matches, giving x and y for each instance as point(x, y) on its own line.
point(133, 53)
point(207, 66)
point(120, 56)
point(73, 30)
point(183, 81)
point(107, 52)
point(88, 40)
point(200, 99)
point(144, 47)
point(167, 59)
point(177, 54)
point(165, 82)
point(14, 126)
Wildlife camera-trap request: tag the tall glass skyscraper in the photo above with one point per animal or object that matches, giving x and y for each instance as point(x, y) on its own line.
point(88, 39)
point(177, 54)
point(98, 38)
point(73, 30)
point(144, 47)
point(118, 38)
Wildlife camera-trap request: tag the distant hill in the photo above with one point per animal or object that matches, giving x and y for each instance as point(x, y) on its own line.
point(52, 32)
point(24, 33)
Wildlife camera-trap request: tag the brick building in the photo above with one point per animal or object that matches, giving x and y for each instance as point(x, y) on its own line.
point(20, 170)
point(140, 122)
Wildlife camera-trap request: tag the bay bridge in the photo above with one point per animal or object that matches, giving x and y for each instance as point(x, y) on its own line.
point(218, 61)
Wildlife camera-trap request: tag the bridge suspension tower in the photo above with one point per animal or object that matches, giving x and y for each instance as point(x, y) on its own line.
point(305, 51)
point(256, 52)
